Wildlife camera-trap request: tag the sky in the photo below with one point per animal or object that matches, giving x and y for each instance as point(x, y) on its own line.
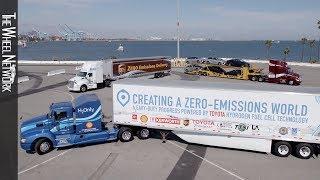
point(216, 19)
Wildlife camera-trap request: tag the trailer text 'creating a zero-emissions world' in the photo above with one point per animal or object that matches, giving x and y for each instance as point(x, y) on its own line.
point(8, 59)
point(297, 113)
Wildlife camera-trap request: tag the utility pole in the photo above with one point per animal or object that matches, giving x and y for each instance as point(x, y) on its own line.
point(319, 42)
point(178, 29)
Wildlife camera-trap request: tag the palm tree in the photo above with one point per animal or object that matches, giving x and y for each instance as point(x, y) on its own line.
point(303, 41)
point(286, 51)
point(312, 43)
point(268, 44)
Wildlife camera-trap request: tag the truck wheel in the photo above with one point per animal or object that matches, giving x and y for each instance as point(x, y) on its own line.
point(83, 88)
point(282, 149)
point(253, 78)
point(43, 146)
point(143, 133)
point(304, 150)
point(290, 82)
point(260, 79)
point(125, 134)
point(107, 83)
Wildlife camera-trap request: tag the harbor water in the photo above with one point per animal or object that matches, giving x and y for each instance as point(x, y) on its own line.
point(94, 50)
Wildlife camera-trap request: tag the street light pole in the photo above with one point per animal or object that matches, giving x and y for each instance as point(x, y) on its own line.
point(319, 42)
point(178, 30)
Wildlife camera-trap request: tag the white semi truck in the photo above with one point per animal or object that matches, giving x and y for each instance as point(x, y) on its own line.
point(95, 74)
point(278, 120)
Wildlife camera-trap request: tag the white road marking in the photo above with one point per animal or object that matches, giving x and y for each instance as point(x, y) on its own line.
point(23, 79)
point(56, 72)
point(54, 157)
point(206, 160)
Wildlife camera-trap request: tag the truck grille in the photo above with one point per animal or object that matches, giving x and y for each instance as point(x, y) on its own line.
point(70, 84)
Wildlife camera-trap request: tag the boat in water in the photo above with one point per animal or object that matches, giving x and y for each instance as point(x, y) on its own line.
point(22, 43)
point(120, 48)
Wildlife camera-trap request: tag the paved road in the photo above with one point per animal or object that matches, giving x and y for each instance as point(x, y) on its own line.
point(141, 159)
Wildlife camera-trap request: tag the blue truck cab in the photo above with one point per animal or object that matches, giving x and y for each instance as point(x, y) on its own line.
point(66, 125)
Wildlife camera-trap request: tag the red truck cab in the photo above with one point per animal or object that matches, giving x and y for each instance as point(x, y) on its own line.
point(279, 72)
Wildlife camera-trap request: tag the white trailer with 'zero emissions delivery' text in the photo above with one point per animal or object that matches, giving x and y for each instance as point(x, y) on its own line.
point(95, 74)
point(252, 117)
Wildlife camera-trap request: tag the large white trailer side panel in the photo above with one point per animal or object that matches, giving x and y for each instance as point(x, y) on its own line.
point(205, 110)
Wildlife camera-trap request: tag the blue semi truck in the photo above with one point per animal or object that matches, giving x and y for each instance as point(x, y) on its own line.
point(67, 125)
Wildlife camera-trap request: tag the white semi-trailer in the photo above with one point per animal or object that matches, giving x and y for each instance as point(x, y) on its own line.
point(281, 119)
point(95, 74)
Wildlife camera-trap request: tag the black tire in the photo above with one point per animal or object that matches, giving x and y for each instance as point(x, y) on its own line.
point(156, 75)
point(253, 78)
point(260, 79)
point(43, 146)
point(83, 88)
point(143, 133)
point(219, 63)
point(107, 83)
point(290, 82)
point(125, 134)
point(282, 149)
point(304, 150)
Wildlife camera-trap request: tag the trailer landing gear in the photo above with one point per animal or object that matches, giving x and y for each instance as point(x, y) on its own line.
point(164, 134)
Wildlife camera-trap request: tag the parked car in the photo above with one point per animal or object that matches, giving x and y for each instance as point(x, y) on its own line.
point(210, 70)
point(215, 60)
point(237, 63)
point(192, 59)
point(192, 68)
point(234, 72)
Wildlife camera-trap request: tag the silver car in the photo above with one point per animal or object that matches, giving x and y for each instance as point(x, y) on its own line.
point(192, 67)
point(215, 60)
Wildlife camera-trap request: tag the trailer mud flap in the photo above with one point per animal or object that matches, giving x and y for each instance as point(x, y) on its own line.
point(253, 144)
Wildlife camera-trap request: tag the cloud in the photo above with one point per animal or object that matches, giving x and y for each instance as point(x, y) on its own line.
point(266, 24)
point(67, 3)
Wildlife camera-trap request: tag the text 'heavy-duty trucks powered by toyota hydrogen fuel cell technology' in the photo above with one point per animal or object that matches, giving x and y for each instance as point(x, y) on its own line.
point(224, 115)
point(95, 74)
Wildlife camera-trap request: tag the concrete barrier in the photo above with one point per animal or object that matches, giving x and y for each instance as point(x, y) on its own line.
point(78, 68)
point(291, 63)
point(46, 63)
point(56, 72)
point(23, 79)
point(178, 62)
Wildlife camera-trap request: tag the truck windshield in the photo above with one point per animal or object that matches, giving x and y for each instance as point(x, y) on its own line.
point(82, 74)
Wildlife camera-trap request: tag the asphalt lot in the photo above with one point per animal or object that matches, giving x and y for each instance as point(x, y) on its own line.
point(145, 159)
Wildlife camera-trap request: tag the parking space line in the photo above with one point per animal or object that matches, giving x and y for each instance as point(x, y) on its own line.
point(206, 160)
point(44, 162)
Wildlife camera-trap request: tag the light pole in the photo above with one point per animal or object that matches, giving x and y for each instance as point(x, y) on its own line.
point(319, 42)
point(178, 30)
